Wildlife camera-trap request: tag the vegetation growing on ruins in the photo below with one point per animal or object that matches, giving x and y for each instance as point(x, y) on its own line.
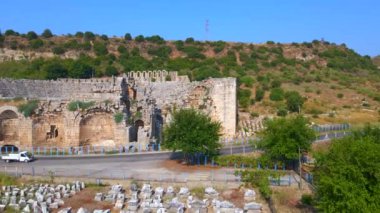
point(193, 133)
point(118, 117)
point(80, 105)
point(348, 174)
point(28, 108)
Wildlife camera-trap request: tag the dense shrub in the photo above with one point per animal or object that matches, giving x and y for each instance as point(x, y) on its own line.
point(58, 50)
point(282, 112)
point(276, 94)
point(36, 43)
point(156, 39)
point(259, 94)
point(218, 46)
point(111, 71)
point(247, 81)
point(161, 52)
point(54, 70)
point(244, 97)
point(193, 52)
point(100, 48)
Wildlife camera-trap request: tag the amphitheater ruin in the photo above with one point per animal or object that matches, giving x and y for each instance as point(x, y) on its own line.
point(120, 110)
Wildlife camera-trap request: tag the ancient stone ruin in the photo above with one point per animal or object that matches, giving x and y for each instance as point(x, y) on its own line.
point(126, 110)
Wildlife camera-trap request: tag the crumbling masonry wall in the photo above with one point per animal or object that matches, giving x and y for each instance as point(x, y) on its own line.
point(146, 99)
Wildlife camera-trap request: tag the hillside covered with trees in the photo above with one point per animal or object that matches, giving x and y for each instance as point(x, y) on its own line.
point(331, 79)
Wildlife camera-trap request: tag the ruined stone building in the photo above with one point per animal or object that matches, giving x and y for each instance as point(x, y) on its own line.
point(120, 110)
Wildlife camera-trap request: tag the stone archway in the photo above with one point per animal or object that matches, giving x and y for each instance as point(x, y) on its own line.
point(139, 123)
point(9, 126)
point(97, 130)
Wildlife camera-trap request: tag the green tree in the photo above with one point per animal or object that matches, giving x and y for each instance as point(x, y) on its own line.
point(47, 33)
point(282, 138)
point(294, 101)
point(127, 37)
point(111, 71)
point(79, 34)
point(89, 36)
point(139, 38)
point(11, 32)
point(189, 40)
point(55, 70)
point(31, 35)
point(156, 39)
point(347, 176)
point(104, 37)
point(192, 132)
point(206, 72)
point(80, 69)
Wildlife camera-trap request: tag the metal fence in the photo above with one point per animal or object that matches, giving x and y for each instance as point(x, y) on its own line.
point(138, 148)
point(331, 127)
point(224, 175)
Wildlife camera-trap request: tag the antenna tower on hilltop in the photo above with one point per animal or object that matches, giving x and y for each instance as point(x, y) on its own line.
point(206, 29)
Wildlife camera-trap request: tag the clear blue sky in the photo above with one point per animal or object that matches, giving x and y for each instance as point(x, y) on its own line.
point(353, 22)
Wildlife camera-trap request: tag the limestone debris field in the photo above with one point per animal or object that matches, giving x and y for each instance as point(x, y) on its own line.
point(75, 197)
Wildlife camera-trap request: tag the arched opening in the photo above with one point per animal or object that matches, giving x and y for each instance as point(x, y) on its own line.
point(97, 130)
point(139, 123)
point(9, 127)
point(134, 131)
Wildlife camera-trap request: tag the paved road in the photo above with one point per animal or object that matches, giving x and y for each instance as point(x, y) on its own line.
point(147, 166)
point(143, 166)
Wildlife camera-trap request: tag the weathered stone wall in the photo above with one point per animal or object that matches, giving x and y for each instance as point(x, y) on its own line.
point(62, 89)
point(215, 97)
point(146, 99)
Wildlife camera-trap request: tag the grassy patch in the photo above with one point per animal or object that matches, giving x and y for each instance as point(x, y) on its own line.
point(6, 179)
point(198, 192)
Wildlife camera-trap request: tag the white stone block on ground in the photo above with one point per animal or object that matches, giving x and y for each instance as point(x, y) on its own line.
point(82, 210)
point(65, 210)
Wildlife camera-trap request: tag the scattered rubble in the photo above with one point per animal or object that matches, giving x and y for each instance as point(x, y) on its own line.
point(45, 198)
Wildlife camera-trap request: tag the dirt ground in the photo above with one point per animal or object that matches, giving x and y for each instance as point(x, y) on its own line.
point(85, 199)
point(286, 199)
point(179, 166)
